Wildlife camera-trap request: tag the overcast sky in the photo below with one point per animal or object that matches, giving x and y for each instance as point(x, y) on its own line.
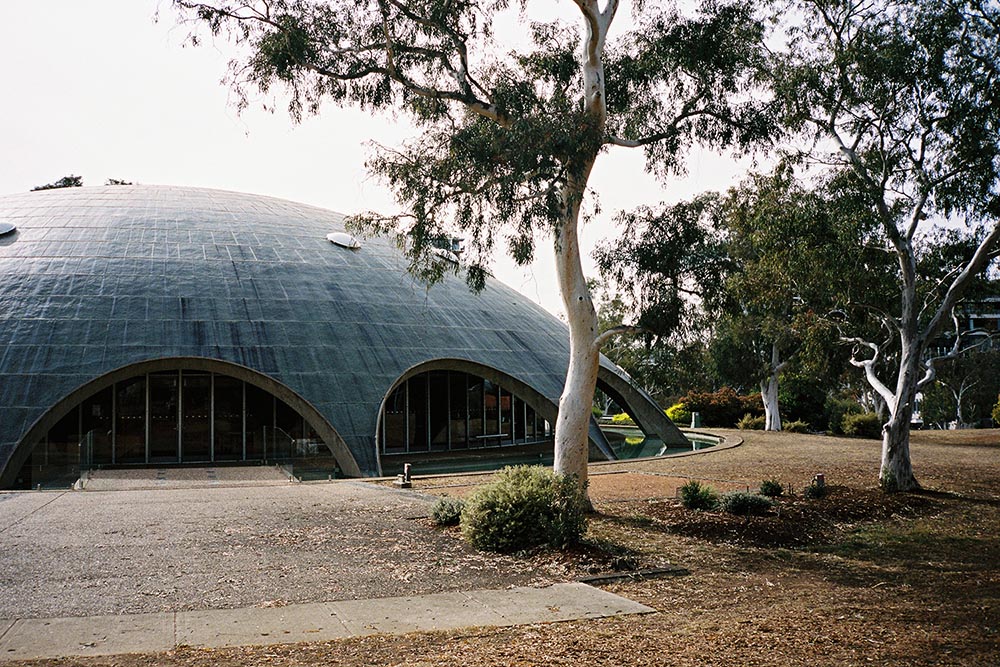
point(98, 89)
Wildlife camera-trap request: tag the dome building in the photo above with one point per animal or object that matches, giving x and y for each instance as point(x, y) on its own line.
point(155, 326)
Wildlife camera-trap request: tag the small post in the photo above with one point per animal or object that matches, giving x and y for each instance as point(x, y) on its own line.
point(404, 481)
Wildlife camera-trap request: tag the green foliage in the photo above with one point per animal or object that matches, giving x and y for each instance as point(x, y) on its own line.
point(448, 511)
point(696, 496)
point(722, 408)
point(679, 414)
point(622, 419)
point(897, 102)
point(814, 491)
point(862, 425)
point(836, 409)
point(743, 503)
point(749, 422)
point(996, 412)
point(795, 427)
point(525, 507)
point(771, 488)
point(596, 411)
point(64, 182)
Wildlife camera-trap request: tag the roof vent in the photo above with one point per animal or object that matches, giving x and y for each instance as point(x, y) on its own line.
point(344, 240)
point(7, 228)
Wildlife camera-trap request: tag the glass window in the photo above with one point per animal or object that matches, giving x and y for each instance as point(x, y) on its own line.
point(196, 410)
point(394, 421)
point(287, 430)
point(63, 449)
point(437, 384)
point(458, 410)
point(506, 417)
point(474, 396)
point(163, 400)
point(228, 418)
point(260, 422)
point(130, 420)
point(95, 416)
point(491, 412)
point(417, 413)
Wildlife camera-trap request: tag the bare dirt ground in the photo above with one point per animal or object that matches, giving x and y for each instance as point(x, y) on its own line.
point(853, 579)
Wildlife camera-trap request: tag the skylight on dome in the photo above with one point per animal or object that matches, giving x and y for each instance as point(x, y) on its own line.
point(344, 240)
point(6, 228)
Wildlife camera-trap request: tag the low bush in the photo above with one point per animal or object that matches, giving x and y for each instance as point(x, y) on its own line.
point(838, 408)
point(862, 425)
point(596, 411)
point(744, 503)
point(696, 496)
point(749, 422)
point(622, 419)
point(525, 507)
point(996, 412)
point(722, 408)
point(771, 488)
point(448, 511)
point(679, 414)
point(814, 490)
point(795, 427)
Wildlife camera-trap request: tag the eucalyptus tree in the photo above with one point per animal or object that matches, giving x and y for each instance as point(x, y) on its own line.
point(508, 132)
point(761, 263)
point(70, 181)
point(906, 95)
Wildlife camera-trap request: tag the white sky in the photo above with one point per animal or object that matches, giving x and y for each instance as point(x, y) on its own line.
point(97, 89)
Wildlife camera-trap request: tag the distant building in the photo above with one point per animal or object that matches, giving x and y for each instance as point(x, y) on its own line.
point(156, 326)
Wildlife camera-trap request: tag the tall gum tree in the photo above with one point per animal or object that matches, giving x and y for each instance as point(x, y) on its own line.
point(759, 261)
point(904, 95)
point(508, 135)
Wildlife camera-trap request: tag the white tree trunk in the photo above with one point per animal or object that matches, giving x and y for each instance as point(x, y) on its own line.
point(769, 391)
point(573, 422)
point(769, 394)
point(896, 471)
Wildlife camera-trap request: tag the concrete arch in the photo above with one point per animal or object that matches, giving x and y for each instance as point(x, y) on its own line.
point(542, 405)
point(332, 439)
point(639, 405)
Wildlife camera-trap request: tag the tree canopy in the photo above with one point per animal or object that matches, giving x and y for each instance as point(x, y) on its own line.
point(508, 131)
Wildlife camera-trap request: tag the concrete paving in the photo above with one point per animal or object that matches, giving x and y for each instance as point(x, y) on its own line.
point(135, 479)
point(30, 638)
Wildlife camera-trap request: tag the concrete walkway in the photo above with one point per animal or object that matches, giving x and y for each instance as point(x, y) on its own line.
point(312, 622)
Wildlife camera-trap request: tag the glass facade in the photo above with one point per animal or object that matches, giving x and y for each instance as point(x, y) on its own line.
point(448, 410)
point(173, 417)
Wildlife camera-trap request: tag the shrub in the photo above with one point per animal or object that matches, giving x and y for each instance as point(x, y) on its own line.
point(723, 407)
point(525, 507)
point(695, 496)
point(838, 408)
point(743, 503)
point(771, 488)
point(622, 419)
point(795, 427)
point(679, 414)
point(448, 511)
point(814, 490)
point(749, 422)
point(862, 425)
point(596, 411)
point(996, 412)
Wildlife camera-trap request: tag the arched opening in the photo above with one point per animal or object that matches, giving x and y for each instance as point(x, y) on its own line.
point(175, 412)
point(453, 415)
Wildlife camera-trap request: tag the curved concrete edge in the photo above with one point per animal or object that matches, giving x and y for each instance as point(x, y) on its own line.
point(725, 442)
point(34, 638)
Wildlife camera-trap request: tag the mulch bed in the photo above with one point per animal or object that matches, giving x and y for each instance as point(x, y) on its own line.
point(795, 521)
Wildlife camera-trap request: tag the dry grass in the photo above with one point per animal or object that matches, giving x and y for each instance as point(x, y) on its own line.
point(906, 580)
